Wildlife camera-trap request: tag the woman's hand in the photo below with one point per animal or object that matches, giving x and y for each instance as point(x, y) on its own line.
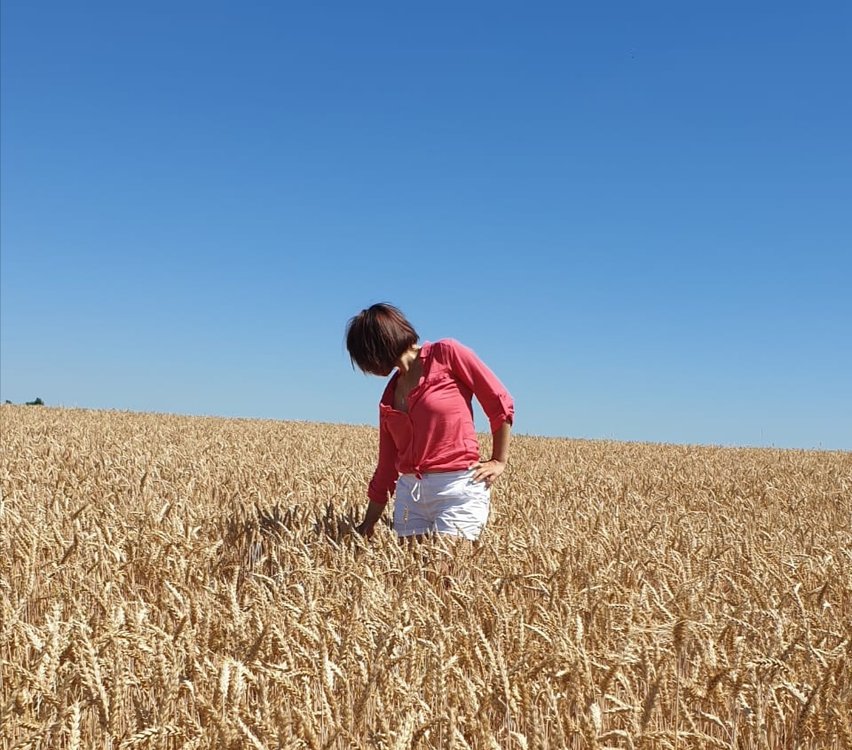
point(488, 471)
point(365, 529)
point(371, 518)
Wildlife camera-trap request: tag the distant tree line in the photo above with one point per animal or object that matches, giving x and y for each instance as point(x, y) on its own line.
point(35, 402)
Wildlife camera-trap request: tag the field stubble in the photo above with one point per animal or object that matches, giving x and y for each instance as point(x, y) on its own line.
point(177, 582)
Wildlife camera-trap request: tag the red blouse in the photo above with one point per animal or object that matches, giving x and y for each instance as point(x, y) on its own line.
point(437, 432)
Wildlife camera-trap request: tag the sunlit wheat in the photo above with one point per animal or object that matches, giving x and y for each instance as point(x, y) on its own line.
point(175, 582)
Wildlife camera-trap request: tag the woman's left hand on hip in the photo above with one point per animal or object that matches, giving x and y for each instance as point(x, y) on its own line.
point(487, 471)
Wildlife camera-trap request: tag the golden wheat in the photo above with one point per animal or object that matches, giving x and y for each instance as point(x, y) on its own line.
point(178, 582)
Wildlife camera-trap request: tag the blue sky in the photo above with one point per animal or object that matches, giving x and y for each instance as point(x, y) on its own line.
point(638, 214)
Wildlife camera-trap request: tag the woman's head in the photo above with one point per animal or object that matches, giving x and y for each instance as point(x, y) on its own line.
point(377, 337)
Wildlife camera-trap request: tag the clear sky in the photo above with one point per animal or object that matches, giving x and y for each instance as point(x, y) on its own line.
point(638, 214)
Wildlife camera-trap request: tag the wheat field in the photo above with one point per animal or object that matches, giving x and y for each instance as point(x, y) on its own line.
point(177, 582)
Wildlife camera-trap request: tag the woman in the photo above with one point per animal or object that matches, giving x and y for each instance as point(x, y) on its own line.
point(428, 450)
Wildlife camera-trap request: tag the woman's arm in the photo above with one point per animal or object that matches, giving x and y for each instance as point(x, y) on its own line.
point(383, 483)
point(496, 402)
point(485, 385)
point(488, 471)
point(500, 444)
point(371, 518)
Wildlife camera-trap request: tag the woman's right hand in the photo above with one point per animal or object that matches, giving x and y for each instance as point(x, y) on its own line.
point(365, 529)
point(371, 517)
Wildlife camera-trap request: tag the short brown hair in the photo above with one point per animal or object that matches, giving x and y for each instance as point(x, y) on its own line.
point(377, 337)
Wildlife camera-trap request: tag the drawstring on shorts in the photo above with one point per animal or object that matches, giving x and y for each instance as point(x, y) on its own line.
point(415, 488)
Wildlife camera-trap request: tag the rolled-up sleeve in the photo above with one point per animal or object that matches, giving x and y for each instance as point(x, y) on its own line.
point(383, 483)
point(486, 386)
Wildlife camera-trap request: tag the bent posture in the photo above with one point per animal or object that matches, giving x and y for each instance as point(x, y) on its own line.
point(428, 449)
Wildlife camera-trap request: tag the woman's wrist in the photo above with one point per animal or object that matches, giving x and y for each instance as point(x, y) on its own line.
point(373, 514)
point(500, 444)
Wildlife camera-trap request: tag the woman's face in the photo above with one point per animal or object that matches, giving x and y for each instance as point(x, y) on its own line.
point(383, 372)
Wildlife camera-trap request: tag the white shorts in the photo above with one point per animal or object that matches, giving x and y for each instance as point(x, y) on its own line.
point(447, 502)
